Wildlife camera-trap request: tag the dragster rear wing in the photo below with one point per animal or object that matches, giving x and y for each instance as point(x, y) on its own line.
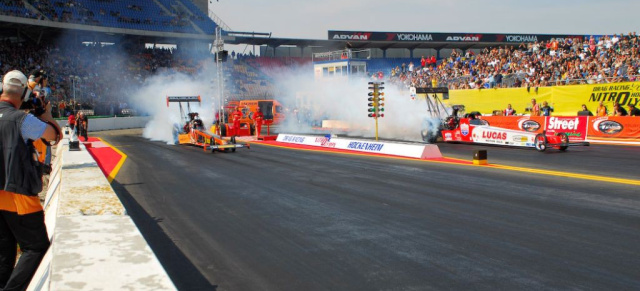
point(183, 99)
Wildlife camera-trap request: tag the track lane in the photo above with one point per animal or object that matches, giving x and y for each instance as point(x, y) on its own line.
point(277, 219)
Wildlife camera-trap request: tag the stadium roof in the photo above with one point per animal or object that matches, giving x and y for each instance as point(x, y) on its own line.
point(342, 44)
point(399, 40)
point(44, 30)
point(47, 31)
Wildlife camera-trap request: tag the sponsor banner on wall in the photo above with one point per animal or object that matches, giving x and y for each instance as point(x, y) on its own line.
point(445, 37)
point(614, 128)
point(369, 146)
point(534, 124)
point(591, 95)
point(575, 127)
point(565, 100)
point(321, 141)
point(606, 129)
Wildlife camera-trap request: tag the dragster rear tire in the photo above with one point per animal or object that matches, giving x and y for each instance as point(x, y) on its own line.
point(429, 136)
point(223, 130)
point(540, 142)
point(564, 140)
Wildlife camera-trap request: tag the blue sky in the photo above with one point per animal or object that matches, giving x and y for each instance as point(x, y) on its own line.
point(312, 19)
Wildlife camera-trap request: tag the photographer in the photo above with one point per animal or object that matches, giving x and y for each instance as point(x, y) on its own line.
point(83, 125)
point(21, 214)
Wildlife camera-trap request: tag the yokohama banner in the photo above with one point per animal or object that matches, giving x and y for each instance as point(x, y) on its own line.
point(445, 37)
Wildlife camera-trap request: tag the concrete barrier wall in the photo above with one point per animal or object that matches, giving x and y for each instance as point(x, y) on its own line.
point(99, 124)
point(95, 244)
point(401, 149)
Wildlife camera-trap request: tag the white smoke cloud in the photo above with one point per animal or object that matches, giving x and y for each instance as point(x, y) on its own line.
point(345, 99)
point(152, 96)
point(338, 99)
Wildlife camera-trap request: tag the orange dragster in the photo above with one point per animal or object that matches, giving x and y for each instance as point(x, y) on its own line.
point(192, 130)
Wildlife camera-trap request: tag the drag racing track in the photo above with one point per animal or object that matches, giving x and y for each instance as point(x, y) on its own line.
point(273, 218)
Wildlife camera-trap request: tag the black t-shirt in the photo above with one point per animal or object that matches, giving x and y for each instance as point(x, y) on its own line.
point(623, 112)
point(634, 112)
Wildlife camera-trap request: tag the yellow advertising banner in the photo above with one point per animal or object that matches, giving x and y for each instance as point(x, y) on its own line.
point(565, 100)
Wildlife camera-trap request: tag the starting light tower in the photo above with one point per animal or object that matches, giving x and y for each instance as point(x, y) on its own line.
point(376, 102)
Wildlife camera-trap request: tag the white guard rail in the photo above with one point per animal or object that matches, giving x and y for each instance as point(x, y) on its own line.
point(95, 244)
point(99, 124)
point(402, 149)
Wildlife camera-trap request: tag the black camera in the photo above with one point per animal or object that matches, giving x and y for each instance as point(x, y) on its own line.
point(36, 101)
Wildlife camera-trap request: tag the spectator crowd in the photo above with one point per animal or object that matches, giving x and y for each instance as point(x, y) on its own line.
point(109, 13)
point(102, 78)
point(94, 77)
point(605, 59)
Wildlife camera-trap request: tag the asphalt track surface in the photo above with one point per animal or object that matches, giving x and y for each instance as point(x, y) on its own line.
point(271, 218)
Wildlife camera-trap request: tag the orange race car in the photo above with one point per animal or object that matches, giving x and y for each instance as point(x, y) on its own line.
point(194, 132)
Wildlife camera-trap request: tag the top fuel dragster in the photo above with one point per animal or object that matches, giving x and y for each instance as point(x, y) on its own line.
point(471, 129)
point(193, 131)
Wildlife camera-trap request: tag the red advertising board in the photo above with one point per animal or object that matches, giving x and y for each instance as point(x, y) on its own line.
point(611, 129)
point(574, 126)
point(526, 123)
point(615, 128)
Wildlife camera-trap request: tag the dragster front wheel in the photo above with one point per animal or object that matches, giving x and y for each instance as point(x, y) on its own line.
point(540, 142)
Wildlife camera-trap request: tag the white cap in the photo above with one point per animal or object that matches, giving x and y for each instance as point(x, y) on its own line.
point(15, 78)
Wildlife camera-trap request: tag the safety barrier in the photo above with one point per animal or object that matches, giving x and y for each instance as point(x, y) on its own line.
point(411, 150)
point(99, 124)
point(95, 244)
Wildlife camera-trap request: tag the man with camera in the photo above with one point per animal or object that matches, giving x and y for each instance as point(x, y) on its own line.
point(21, 214)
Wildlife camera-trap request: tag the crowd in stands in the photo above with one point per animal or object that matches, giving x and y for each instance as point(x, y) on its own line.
point(556, 62)
point(18, 9)
point(102, 78)
point(170, 15)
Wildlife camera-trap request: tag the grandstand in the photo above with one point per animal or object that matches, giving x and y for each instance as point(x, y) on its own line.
point(148, 15)
point(97, 52)
point(464, 61)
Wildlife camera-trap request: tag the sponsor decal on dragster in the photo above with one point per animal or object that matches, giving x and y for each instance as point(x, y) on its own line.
point(607, 126)
point(464, 129)
point(574, 127)
point(520, 138)
point(366, 146)
point(495, 136)
point(447, 136)
point(488, 136)
point(293, 139)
